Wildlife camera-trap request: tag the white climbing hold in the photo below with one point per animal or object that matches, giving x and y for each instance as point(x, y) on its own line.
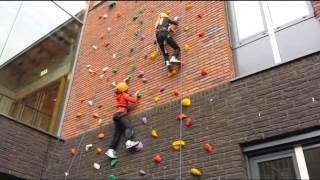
point(94, 47)
point(211, 99)
point(96, 165)
point(66, 174)
point(88, 66)
point(105, 16)
point(259, 114)
point(88, 146)
point(176, 18)
point(90, 103)
point(101, 76)
point(313, 100)
point(105, 69)
point(109, 29)
point(90, 71)
point(144, 120)
point(114, 84)
point(142, 172)
point(114, 56)
point(99, 122)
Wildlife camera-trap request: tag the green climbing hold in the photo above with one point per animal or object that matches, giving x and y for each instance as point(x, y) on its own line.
point(112, 5)
point(141, 22)
point(128, 78)
point(114, 162)
point(136, 33)
point(115, 70)
point(134, 18)
point(133, 67)
point(139, 95)
point(132, 50)
point(112, 177)
point(141, 11)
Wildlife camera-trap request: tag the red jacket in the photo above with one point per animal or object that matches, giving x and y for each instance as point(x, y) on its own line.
point(123, 100)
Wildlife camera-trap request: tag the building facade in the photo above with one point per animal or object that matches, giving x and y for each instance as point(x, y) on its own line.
point(258, 105)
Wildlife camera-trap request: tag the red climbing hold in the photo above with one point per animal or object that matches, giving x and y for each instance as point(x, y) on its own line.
point(100, 16)
point(204, 72)
point(176, 93)
point(95, 115)
point(200, 15)
point(81, 100)
point(73, 151)
point(100, 135)
point(181, 116)
point(201, 34)
point(78, 115)
point(188, 122)
point(99, 106)
point(157, 158)
point(99, 151)
point(208, 148)
point(119, 14)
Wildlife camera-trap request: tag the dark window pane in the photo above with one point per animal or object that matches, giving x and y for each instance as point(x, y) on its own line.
point(312, 157)
point(277, 169)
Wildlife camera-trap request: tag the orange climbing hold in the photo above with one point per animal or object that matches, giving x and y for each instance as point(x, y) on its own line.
point(99, 150)
point(100, 135)
point(78, 115)
point(188, 122)
point(204, 72)
point(157, 158)
point(73, 151)
point(201, 34)
point(99, 106)
point(95, 115)
point(181, 116)
point(200, 15)
point(82, 100)
point(208, 148)
point(119, 14)
point(176, 93)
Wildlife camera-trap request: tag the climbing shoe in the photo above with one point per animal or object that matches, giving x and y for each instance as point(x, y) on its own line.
point(131, 144)
point(174, 60)
point(111, 153)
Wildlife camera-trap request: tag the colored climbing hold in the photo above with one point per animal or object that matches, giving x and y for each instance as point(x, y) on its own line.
point(101, 36)
point(105, 69)
point(99, 122)
point(100, 106)
point(145, 55)
point(113, 84)
point(168, 12)
point(136, 33)
point(114, 56)
point(139, 95)
point(140, 74)
point(154, 133)
point(88, 146)
point(114, 162)
point(141, 22)
point(139, 147)
point(200, 15)
point(105, 16)
point(133, 67)
point(95, 115)
point(99, 151)
point(162, 88)
point(156, 99)
point(78, 115)
point(109, 29)
point(106, 44)
point(201, 34)
point(186, 47)
point(100, 16)
point(144, 80)
point(112, 177)
point(101, 76)
point(144, 120)
point(81, 99)
point(119, 14)
point(181, 116)
point(154, 55)
point(208, 148)
point(188, 122)
point(177, 144)
point(186, 29)
point(176, 92)
point(142, 172)
point(90, 103)
point(189, 6)
point(134, 18)
point(157, 158)
point(141, 11)
point(73, 151)
point(112, 5)
point(88, 66)
point(100, 135)
point(171, 73)
point(96, 165)
point(186, 102)
point(127, 79)
point(203, 72)
point(195, 172)
point(94, 47)
point(66, 174)
point(115, 70)
point(142, 37)
point(132, 50)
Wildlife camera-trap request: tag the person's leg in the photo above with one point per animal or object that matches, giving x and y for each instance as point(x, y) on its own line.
point(175, 46)
point(116, 137)
point(161, 37)
point(129, 133)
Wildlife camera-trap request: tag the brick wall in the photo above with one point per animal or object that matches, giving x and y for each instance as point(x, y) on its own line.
point(211, 52)
point(23, 150)
point(262, 106)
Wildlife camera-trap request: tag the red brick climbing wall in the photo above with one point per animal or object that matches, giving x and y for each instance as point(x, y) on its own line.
point(211, 52)
point(316, 7)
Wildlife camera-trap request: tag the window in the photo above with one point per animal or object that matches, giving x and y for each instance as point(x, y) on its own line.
point(37, 56)
point(289, 158)
point(266, 33)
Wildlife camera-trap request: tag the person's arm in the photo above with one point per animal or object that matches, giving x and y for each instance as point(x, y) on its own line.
point(173, 22)
point(132, 99)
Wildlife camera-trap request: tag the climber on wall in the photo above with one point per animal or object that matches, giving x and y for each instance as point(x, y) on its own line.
point(163, 37)
point(121, 121)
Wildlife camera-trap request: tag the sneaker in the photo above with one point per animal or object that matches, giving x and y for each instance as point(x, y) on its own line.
point(131, 144)
point(111, 153)
point(168, 63)
point(174, 60)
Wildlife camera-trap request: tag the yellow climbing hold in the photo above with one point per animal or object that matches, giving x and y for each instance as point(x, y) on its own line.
point(196, 172)
point(154, 55)
point(186, 28)
point(189, 6)
point(172, 73)
point(186, 102)
point(177, 144)
point(168, 12)
point(186, 47)
point(154, 133)
point(156, 99)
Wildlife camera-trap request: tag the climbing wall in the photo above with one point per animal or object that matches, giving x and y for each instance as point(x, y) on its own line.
point(118, 43)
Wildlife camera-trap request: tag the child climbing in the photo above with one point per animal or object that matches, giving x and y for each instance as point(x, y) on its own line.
point(163, 37)
point(121, 121)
